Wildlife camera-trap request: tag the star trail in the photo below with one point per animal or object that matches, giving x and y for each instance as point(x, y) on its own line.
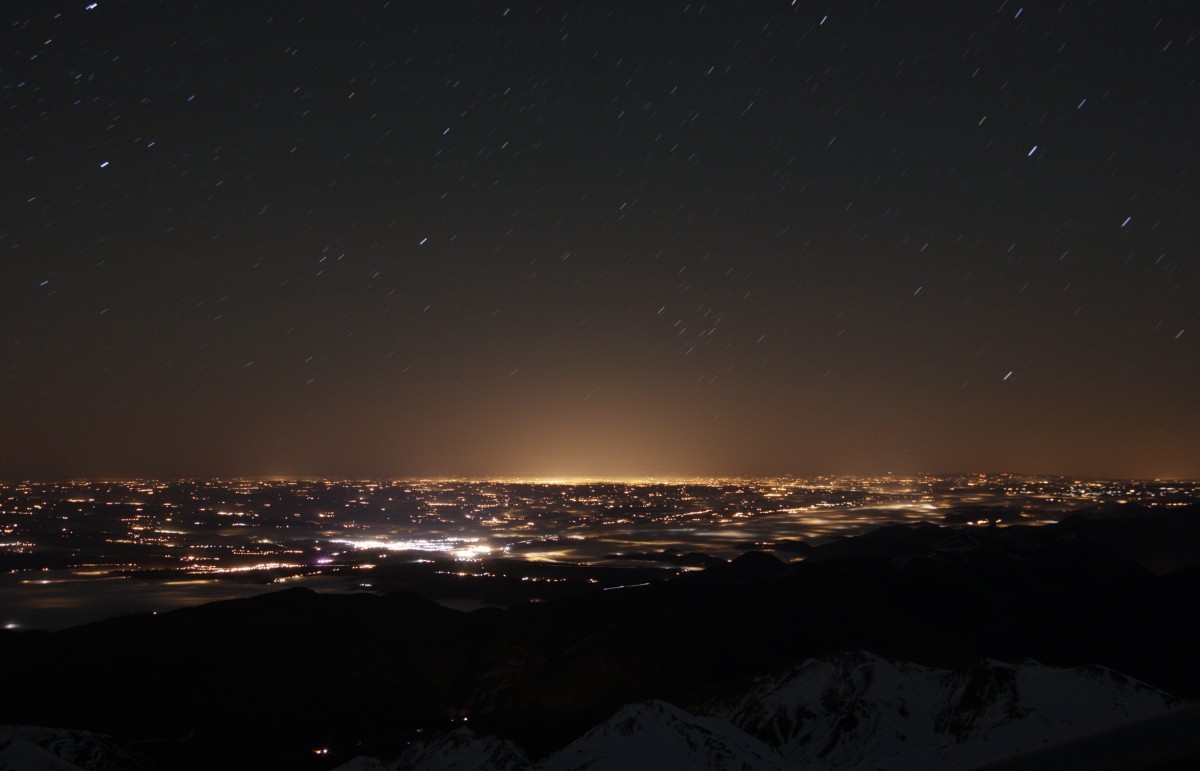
point(598, 239)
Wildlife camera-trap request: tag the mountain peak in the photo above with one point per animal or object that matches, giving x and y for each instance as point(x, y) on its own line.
point(655, 734)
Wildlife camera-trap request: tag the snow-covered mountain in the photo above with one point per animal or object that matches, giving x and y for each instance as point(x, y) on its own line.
point(459, 750)
point(850, 711)
point(650, 735)
point(464, 750)
point(658, 735)
point(32, 748)
point(18, 754)
point(861, 711)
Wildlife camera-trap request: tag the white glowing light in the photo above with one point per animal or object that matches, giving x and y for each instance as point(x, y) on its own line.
point(471, 552)
point(460, 548)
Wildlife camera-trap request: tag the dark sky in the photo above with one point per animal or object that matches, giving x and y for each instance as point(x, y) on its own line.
point(599, 239)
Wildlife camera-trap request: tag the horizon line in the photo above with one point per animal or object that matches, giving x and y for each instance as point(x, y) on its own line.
point(572, 480)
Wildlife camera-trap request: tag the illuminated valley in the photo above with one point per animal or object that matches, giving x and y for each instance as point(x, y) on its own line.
point(78, 551)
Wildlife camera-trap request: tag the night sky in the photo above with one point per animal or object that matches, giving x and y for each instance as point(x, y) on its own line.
point(599, 239)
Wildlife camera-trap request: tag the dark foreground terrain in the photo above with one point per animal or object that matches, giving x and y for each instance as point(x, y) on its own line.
point(298, 679)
